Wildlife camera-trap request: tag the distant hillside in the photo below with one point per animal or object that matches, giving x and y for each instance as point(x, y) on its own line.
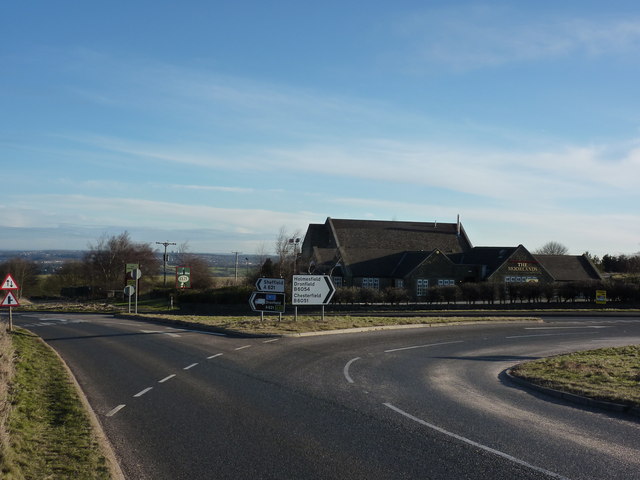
point(50, 260)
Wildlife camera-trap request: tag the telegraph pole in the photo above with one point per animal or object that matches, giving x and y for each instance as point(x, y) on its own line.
point(237, 253)
point(164, 259)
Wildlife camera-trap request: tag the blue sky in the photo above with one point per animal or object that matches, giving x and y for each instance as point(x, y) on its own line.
point(217, 123)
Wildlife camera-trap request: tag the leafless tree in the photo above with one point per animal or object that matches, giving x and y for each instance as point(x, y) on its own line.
point(287, 247)
point(106, 260)
point(552, 248)
point(201, 277)
point(24, 272)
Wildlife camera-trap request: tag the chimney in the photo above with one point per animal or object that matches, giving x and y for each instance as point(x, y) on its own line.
point(458, 225)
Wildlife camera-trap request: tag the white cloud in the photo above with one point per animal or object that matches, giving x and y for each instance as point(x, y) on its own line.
point(55, 210)
point(470, 37)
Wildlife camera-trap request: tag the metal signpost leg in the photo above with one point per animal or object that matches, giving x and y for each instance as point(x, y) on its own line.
point(136, 296)
point(11, 319)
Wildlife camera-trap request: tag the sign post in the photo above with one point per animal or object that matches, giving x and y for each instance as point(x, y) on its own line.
point(136, 273)
point(183, 277)
point(312, 290)
point(269, 297)
point(129, 290)
point(10, 300)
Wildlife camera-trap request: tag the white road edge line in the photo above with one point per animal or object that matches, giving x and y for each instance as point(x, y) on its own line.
point(272, 340)
point(552, 335)
point(214, 356)
point(566, 328)
point(190, 366)
point(475, 444)
point(422, 346)
point(167, 378)
point(139, 394)
point(115, 410)
point(345, 370)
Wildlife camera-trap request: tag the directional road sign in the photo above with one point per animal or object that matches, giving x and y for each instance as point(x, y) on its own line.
point(270, 285)
point(183, 277)
point(312, 290)
point(267, 302)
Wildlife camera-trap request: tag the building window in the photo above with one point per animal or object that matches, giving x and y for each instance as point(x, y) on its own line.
point(521, 279)
point(373, 283)
point(399, 283)
point(337, 281)
point(421, 287)
point(446, 283)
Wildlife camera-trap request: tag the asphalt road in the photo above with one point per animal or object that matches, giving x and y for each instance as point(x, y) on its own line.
point(420, 403)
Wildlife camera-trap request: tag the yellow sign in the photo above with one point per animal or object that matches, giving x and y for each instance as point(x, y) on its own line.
point(601, 297)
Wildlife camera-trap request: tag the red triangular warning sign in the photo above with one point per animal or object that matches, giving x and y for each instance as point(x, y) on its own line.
point(9, 301)
point(9, 283)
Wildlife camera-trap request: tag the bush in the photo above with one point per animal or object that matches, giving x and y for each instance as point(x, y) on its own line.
point(470, 292)
point(233, 295)
point(396, 295)
point(346, 295)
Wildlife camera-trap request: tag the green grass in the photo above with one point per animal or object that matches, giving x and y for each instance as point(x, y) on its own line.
point(608, 374)
point(48, 429)
point(308, 323)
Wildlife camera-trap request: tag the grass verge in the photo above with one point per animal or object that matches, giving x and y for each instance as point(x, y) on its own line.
point(607, 374)
point(308, 323)
point(47, 431)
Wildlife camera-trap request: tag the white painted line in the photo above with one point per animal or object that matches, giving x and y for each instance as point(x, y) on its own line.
point(167, 378)
point(207, 333)
point(115, 410)
point(566, 328)
point(139, 394)
point(552, 335)
point(163, 333)
point(190, 366)
point(475, 444)
point(214, 356)
point(345, 370)
point(422, 346)
point(272, 340)
point(242, 348)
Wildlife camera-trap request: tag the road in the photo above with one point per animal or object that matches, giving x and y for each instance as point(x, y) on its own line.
point(419, 403)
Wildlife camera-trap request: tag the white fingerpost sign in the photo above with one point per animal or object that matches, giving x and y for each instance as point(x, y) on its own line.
point(275, 285)
point(312, 290)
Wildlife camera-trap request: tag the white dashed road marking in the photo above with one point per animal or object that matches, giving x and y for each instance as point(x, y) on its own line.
point(139, 394)
point(115, 410)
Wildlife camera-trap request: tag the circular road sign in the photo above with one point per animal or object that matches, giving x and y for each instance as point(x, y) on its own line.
point(129, 290)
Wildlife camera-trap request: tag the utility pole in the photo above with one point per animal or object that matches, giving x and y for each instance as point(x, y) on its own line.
point(237, 253)
point(164, 259)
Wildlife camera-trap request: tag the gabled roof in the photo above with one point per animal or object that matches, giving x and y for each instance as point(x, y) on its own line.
point(375, 248)
point(569, 268)
point(491, 257)
point(399, 236)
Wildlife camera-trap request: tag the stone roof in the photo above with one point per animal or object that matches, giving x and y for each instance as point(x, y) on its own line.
point(399, 236)
point(490, 257)
point(376, 248)
point(569, 268)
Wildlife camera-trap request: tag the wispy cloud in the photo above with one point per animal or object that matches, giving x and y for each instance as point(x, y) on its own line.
point(470, 37)
point(35, 211)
